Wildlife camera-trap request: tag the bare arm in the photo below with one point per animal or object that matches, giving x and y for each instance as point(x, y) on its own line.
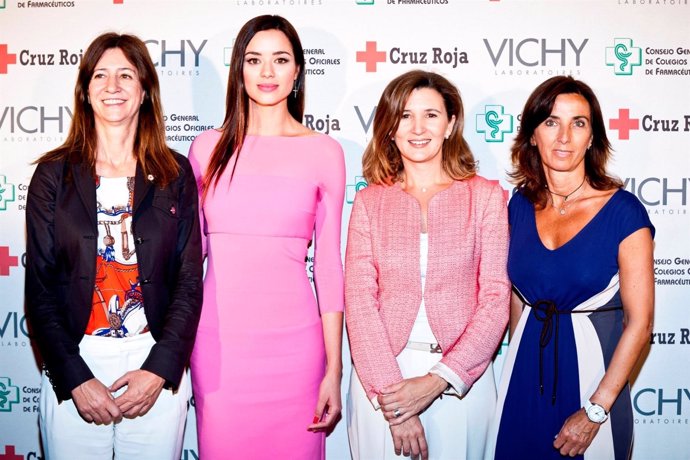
point(636, 264)
point(636, 271)
point(329, 405)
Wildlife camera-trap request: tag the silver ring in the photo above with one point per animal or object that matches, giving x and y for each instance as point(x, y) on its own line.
point(396, 413)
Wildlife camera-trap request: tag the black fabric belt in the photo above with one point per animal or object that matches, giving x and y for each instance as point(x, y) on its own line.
point(544, 311)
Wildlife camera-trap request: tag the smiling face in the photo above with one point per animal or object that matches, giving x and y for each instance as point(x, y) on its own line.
point(269, 69)
point(564, 137)
point(423, 126)
point(115, 92)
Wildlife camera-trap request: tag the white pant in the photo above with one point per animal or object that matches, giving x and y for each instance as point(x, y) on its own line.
point(454, 428)
point(156, 435)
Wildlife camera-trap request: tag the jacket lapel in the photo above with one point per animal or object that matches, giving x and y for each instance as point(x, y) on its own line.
point(86, 188)
point(142, 186)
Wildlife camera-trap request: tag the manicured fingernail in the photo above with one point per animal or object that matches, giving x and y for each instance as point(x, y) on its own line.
point(316, 419)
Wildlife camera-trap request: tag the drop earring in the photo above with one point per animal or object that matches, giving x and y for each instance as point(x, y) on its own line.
point(295, 88)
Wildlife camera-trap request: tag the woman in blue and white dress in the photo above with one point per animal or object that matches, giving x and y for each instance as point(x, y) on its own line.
point(581, 264)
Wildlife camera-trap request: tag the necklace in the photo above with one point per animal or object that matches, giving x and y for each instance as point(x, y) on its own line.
point(424, 188)
point(565, 204)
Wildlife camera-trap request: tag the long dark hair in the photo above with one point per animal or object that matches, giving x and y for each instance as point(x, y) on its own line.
point(382, 163)
point(153, 155)
point(528, 173)
point(234, 129)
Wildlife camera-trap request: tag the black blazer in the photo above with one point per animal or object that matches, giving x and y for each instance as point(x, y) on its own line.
point(61, 268)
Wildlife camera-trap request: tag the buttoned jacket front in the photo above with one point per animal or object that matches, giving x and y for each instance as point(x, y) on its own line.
point(61, 268)
point(467, 292)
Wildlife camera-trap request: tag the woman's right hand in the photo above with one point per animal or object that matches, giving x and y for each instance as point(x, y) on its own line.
point(409, 439)
point(95, 403)
point(410, 397)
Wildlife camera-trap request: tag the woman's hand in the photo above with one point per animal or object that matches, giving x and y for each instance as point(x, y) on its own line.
point(95, 403)
point(143, 388)
point(403, 400)
point(576, 435)
point(409, 439)
point(328, 406)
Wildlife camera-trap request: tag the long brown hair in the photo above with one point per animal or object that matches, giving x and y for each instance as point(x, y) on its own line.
point(153, 155)
point(234, 129)
point(381, 162)
point(528, 172)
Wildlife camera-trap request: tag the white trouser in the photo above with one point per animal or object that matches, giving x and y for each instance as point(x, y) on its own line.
point(455, 428)
point(156, 435)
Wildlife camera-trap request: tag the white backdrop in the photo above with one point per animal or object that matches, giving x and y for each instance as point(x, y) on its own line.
point(634, 53)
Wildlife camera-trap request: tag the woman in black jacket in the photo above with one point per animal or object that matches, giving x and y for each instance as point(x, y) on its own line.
point(114, 274)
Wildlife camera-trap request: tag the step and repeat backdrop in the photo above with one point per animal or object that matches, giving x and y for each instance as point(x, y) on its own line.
point(634, 53)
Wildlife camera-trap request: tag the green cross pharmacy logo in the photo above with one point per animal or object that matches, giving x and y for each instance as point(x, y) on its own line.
point(9, 394)
point(494, 123)
point(623, 56)
point(6, 193)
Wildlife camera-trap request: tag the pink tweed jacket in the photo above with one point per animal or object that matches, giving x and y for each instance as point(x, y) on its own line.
point(467, 291)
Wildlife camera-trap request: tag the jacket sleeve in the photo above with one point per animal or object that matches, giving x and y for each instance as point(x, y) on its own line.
point(170, 355)
point(469, 357)
point(199, 172)
point(373, 357)
point(59, 350)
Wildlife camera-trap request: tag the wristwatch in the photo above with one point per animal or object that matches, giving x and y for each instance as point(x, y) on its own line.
point(595, 412)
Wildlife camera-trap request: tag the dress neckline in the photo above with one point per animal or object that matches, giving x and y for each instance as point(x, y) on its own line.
point(579, 232)
point(278, 136)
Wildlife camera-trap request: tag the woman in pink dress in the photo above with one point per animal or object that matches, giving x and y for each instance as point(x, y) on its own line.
point(267, 361)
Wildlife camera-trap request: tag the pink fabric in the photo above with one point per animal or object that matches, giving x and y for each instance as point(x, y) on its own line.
point(259, 354)
point(467, 293)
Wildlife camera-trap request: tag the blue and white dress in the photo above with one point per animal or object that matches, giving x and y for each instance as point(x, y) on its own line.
point(566, 336)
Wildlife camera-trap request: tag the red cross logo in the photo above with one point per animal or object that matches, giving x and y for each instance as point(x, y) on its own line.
point(371, 56)
point(6, 261)
point(624, 124)
point(6, 58)
point(10, 454)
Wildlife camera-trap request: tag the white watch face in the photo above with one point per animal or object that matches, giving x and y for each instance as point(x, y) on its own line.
point(596, 413)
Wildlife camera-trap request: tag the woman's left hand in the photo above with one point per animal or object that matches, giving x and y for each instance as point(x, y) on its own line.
point(328, 406)
point(576, 435)
point(143, 388)
point(405, 399)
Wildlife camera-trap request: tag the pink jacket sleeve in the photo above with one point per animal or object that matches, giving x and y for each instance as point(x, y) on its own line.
point(472, 353)
point(371, 352)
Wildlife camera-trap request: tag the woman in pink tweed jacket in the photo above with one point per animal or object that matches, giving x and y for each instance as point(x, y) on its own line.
point(426, 289)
